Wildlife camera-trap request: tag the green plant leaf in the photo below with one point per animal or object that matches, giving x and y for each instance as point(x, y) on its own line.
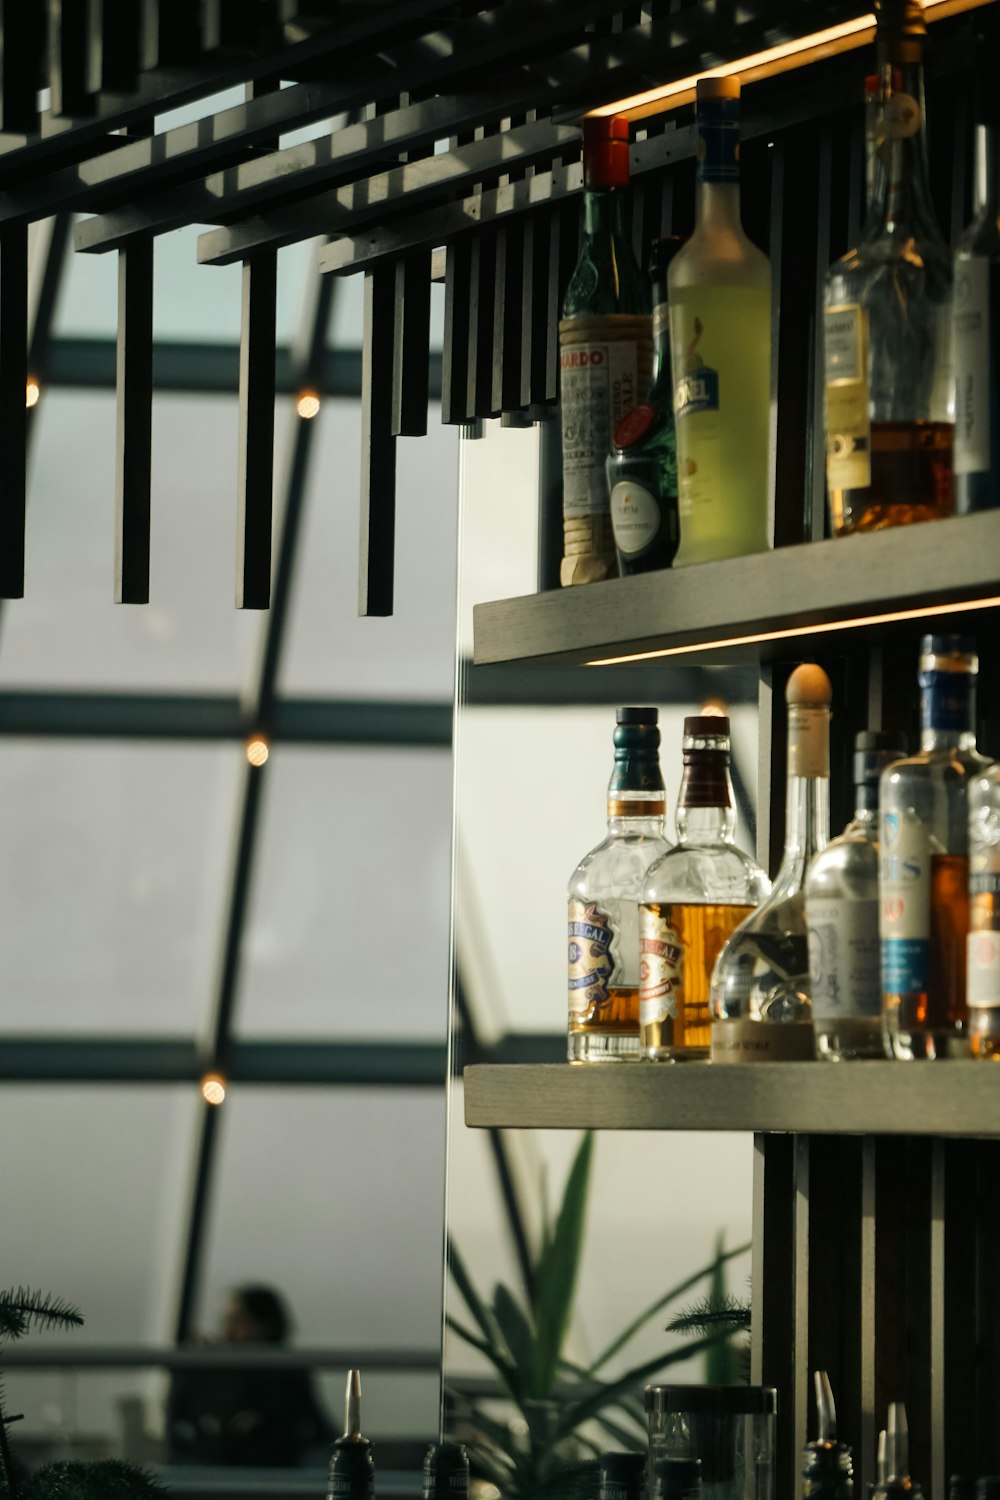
point(556, 1272)
point(20, 1307)
point(660, 1303)
point(483, 1315)
point(109, 1480)
point(517, 1331)
point(502, 1366)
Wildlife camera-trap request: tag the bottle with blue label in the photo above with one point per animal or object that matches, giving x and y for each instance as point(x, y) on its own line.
point(604, 894)
point(924, 861)
point(720, 338)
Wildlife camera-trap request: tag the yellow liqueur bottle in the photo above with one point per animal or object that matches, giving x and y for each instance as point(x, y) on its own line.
point(720, 336)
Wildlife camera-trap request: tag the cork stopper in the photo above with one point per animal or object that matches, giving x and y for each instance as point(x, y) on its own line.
point(717, 88)
point(809, 684)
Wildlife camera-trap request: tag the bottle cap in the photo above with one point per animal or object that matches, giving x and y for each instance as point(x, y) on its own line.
point(605, 151)
point(621, 1471)
point(809, 684)
point(633, 426)
point(717, 88)
point(636, 716)
point(948, 645)
point(446, 1471)
point(698, 726)
point(675, 1478)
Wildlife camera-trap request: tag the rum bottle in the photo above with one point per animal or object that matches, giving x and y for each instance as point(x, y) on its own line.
point(642, 468)
point(605, 350)
point(842, 917)
point(976, 324)
point(887, 318)
point(604, 893)
point(692, 899)
point(924, 860)
point(720, 340)
point(760, 991)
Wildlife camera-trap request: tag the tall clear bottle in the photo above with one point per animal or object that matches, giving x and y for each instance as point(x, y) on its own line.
point(976, 319)
point(719, 289)
point(983, 951)
point(924, 861)
point(760, 992)
point(604, 894)
point(692, 899)
point(605, 350)
point(887, 319)
point(842, 917)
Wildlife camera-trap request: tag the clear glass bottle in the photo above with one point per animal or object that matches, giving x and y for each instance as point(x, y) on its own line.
point(604, 891)
point(983, 950)
point(692, 900)
point(924, 861)
point(605, 350)
point(842, 917)
point(760, 992)
point(642, 467)
point(887, 319)
point(976, 324)
point(720, 339)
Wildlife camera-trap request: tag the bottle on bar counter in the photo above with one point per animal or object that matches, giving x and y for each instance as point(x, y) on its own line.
point(760, 991)
point(446, 1472)
point(604, 891)
point(621, 1476)
point(924, 860)
point(692, 899)
point(887, 318)
point(720, 340)
point(976, 318)
point(842, 917)
point(642, 467)
point(605, 350)
point(352, 1464)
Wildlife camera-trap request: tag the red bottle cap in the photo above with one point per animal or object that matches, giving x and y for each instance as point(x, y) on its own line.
point(633, 426)
point(605, 151)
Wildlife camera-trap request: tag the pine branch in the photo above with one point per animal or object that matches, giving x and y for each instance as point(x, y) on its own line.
point(21, 1308)
point(712, 1315)
point(110, 1480)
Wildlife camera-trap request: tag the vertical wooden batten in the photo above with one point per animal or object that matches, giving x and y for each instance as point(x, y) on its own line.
point(134, 421)
point(411, 345)
point(13, 410)
point(378, 447)
point(255, 478)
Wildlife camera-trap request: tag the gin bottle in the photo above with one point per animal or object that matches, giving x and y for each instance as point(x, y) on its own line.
point(642, 468)
point(692, 899)
point(983, 953)
point(887, 319)
point(976, 325)
point(842, 917)
point(605, 350)
point(604, 893)
point(720, 340)
point(760, 991)
point(924, 860)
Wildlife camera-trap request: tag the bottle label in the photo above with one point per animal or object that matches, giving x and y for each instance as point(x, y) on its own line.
point(947, 700)
point(983, 942)
point(635, 517)
point(589, 956)
point(971, 347)
point(904, 902)
point(757, 1041)
point(808, 740)
point(848, 429)
point(697, 391)
point(599, 383)
point(661, 967)
point(844, 958)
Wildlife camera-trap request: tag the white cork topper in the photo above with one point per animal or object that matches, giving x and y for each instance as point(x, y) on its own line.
point(808, 696)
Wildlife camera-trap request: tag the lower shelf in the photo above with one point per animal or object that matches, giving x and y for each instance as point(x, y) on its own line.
point(864, 1098)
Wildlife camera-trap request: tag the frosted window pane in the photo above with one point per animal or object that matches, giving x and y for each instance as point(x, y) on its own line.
point(410, 654)
point(348, 926)
point(349, 317)
point(111, 884)
point(67, 630)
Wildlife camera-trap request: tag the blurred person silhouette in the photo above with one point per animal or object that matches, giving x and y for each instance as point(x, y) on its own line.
point(249, 1416)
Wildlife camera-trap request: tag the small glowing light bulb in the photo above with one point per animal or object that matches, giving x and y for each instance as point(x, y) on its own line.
point(307, 404)
point(257, 750)
point(714, 709)
point(32, 391)
point(213, 1089)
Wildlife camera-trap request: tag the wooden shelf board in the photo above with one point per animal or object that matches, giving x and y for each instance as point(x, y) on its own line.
point(822, 584)
point(953, 1098)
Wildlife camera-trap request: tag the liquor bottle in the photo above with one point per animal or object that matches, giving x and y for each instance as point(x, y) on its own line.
point(924, 860)
point(760, 994)
point(692, 899)
point(605, 350)
point(887, 318)
point(842, 917)
point(446, 1472)
point(642, 468)
point(352, 1465)
point(895, 1482)
point(720, 340)
point(622, 1476)
point(675, 1479)
point(976, 319)
point(983, 953)
point(604, 892)
point(827, 1466)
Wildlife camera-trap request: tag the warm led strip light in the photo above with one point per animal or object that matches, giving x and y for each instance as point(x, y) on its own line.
point(778, 59)
point(799, 630)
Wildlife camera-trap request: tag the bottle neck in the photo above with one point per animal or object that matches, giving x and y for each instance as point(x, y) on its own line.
point(706, 811)
point(661, 391)
point(947, 711)
point(705, 825)
point(631, 811)
point(807, 822)
point(604, 213)
point(866, 803)
point(717, 206)
point(901, 201)
point(987, 170)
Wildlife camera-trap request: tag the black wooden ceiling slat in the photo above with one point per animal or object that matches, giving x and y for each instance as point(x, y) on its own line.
point(255, 482)
point(378, 449)
point(22, 34)
point(113, 52)
point(134, 422)
point(455, 350)
point(411, 345)
point(508, 317)
point(69, 54)
point(13, 409)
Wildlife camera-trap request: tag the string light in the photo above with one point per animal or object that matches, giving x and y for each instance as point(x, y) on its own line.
point(32, 391)
point(307, 405)
point(213, 1089)
point(257, 750)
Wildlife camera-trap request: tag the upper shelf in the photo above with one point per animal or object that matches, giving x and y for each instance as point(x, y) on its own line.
point(951, 1098)
point(707, 613)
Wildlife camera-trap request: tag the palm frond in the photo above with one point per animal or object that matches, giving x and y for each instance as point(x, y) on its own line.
point(20, 1308)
